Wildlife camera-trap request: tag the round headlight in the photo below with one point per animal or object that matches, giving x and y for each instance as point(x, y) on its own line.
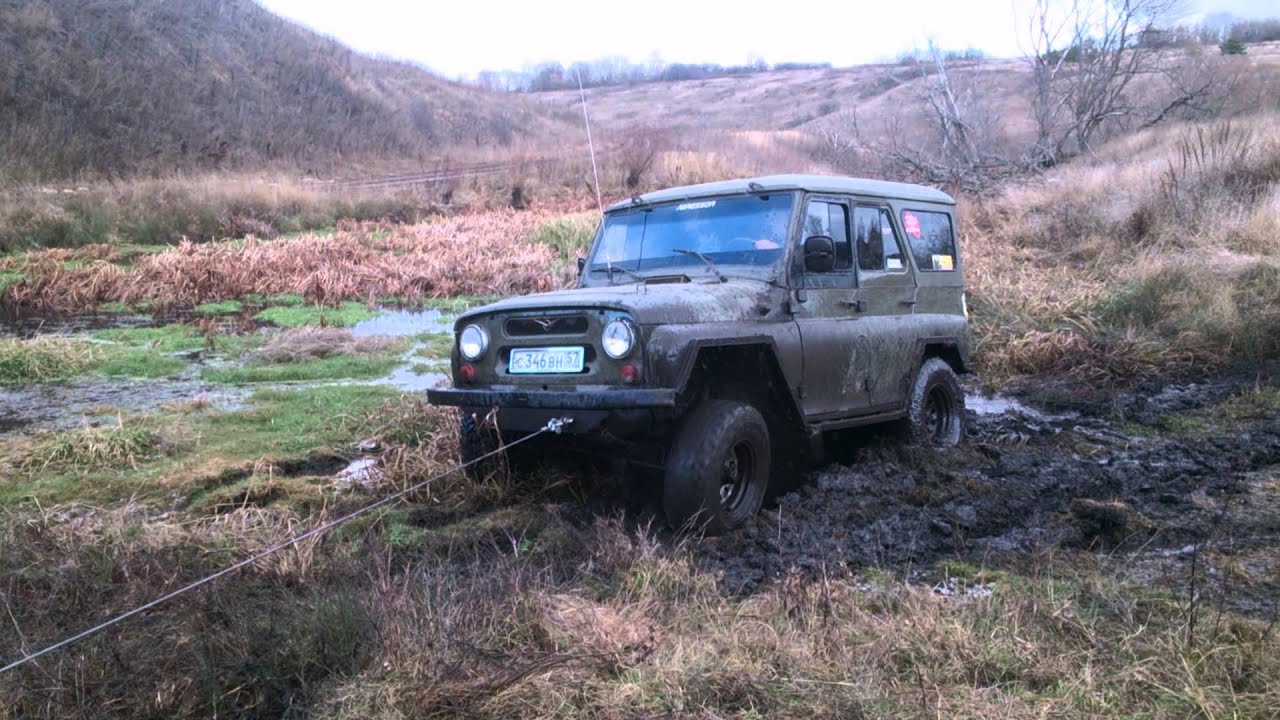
point(473, 342)
point(618, 339)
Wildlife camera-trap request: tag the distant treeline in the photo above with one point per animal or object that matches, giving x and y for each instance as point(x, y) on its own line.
point(620, 71)
point(1214, 31)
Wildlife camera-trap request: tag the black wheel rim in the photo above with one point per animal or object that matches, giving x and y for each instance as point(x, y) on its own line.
point(736, 473)
point(938, 411)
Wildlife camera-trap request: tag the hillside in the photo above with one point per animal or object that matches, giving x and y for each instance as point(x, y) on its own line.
point(850, 120)
point(116, 88)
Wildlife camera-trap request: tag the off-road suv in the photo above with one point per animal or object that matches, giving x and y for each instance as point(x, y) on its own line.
point(719, 330)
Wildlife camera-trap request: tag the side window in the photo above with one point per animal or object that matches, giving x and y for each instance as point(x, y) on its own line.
point(875, 241)
point(933, 244)
point(830, 219)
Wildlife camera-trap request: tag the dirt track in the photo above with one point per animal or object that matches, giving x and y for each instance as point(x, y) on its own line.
point(1024, 485)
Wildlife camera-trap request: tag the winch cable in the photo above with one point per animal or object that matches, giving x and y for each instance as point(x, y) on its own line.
point(555, 425)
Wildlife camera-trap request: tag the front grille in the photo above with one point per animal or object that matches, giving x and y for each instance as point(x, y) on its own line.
point(555, 325)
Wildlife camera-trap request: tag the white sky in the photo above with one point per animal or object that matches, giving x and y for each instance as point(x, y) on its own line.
point(459, 39)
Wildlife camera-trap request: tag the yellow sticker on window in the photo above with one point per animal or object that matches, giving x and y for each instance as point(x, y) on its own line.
point(943, 262)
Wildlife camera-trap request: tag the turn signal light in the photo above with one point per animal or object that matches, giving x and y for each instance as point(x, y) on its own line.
point(630, 373)
point(467, 372)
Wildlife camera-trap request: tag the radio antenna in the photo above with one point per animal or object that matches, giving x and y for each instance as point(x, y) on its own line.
point(595, 172)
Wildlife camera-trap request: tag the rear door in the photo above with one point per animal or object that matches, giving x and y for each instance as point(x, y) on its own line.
point(886, 293)
point(828, 314)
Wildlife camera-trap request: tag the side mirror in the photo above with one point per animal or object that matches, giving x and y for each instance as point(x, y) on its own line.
point(582, 264)
point(819, 254)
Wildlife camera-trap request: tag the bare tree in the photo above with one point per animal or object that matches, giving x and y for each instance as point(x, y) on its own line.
point(1083, 63)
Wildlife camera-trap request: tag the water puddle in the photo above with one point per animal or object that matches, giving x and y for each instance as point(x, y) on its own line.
point(399, 323)
point(998, 404)
point(27, 326)
point(63, 406)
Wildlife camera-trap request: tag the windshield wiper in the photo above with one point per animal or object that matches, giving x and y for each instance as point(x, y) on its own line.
point(611, 269)
point(711, 264)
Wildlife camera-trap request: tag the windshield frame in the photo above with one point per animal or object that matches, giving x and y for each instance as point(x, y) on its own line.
point(775, 272)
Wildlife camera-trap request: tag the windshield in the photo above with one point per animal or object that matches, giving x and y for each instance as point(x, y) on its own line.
point(731, 232)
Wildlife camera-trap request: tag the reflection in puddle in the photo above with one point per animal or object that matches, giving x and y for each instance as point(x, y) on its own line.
point(400, 323)
point(997, 405)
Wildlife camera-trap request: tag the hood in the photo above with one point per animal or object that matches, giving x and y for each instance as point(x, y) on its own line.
point(735, 300)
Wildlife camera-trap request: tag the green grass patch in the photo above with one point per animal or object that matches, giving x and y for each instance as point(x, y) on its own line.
point(458, 303)
point(95, 448)
point(290, 316)
point(140, 363)
point(436, 345)
point(8, 279)
point(176, 337)
point(225, 307)
point(48, 359)
point(285, 300)
point(169, 338)
point(568, 236)
point(282, 422)
point(330, 368)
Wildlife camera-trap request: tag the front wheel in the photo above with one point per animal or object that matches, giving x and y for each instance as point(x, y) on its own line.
point(718, 467)
point(935, 413)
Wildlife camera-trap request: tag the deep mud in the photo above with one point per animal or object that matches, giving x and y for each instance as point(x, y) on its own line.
point(1186, 513)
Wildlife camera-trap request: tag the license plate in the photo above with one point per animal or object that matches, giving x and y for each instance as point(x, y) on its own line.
point(547, 360)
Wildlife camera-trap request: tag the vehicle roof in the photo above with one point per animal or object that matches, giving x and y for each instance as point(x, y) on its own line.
point(810, 183)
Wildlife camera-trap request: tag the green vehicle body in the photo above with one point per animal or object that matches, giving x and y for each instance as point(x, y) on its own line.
point(812, 351)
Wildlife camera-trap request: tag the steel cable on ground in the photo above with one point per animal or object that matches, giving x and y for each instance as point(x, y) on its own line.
point(555, 425)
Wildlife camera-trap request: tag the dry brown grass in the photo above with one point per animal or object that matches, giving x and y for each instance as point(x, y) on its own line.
point(480, 254)
point(1158, 255)
point(520, 614)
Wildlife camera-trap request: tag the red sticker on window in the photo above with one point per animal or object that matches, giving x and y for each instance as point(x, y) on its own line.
point(911, 223)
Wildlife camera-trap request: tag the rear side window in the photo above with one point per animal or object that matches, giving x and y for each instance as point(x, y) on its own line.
point(933, 244)
point(877, 248)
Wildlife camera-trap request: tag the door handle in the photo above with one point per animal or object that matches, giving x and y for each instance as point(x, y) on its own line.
point(908, 303)
point(855, 304)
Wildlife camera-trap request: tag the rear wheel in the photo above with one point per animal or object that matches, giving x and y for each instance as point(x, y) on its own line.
point(935, 414)
point(718, 467)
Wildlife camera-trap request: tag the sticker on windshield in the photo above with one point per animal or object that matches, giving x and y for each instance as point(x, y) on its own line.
point(911, 223)
point(943, 262)
point(696, 205)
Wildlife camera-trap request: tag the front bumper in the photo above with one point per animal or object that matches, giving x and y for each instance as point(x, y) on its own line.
point(610, 399)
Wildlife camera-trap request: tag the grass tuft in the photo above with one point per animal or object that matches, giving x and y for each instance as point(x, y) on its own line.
point(46, 359)
point(95, 448)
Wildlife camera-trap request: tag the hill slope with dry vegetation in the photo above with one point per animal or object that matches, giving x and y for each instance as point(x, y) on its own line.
point(117, 88)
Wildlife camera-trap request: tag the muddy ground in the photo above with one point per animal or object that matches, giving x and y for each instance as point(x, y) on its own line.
point(1196, 511)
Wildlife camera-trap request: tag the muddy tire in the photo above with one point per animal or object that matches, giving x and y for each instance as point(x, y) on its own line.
point(718, 467)
point(477, 439)
point(935, 410)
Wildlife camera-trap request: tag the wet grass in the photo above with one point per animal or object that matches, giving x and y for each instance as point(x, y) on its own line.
point(178, 337)
point(292, 316)
point(436, 345)
point(8, 278)
point(225, 307)
point(458, 303)
point(113, 446)
point(48, 359)
point(140, 363)
point(331, 368)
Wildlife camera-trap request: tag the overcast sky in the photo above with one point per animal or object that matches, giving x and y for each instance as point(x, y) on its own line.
point(459, 39)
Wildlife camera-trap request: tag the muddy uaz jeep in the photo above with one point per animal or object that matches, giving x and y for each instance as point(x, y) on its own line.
point(720, 330)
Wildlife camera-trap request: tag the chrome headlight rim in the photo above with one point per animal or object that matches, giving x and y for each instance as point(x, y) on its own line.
point(608, 340)
point(479, 339)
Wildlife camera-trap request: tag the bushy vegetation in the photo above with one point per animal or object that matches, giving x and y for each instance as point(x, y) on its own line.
point(200, 208)
point(1179, 272)
point(358, 263)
